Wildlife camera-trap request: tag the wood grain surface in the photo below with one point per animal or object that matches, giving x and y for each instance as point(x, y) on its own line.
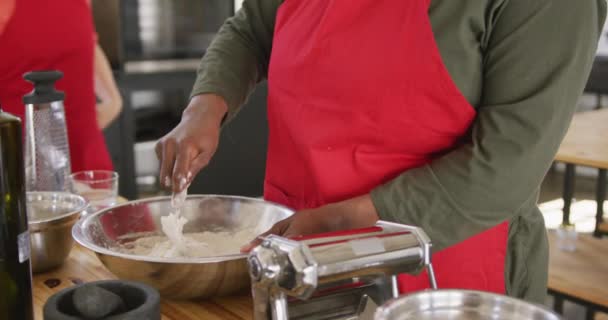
point(586, 143)
point(82, 266)
point(582, 273)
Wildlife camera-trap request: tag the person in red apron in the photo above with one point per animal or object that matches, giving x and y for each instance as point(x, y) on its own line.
point(59, 35)
point(358, 95)
point(342, 164)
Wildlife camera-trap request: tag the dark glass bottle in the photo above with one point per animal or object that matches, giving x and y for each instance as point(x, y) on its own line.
point(15, 272)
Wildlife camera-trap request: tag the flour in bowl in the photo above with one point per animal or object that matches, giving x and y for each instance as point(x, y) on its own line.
point(193, 245)
point(174, 243)
point(173, 224)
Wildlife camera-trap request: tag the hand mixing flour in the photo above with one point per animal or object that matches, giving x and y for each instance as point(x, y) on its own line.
point(191, 245)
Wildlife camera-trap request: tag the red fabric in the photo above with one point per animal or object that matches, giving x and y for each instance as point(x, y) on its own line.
point(56, 35)
point(358, 94)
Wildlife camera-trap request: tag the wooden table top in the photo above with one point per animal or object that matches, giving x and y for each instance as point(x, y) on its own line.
point(83, 266)
point(582, 273)
point(586, 143)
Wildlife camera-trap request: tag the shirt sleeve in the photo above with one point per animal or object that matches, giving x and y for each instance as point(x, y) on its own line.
point(238, 57)
point(536, 63)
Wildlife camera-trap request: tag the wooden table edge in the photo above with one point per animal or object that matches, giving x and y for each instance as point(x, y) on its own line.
point(595, 164)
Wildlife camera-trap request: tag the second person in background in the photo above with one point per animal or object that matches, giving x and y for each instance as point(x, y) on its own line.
point(59, 35)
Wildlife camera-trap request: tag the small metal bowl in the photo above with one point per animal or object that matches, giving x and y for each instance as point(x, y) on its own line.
point(178, 278)
point(461, 305)
point(51, 216)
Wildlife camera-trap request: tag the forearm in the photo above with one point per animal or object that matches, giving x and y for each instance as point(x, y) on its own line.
point(238, 57)
point(212, 105)
point(106, 90)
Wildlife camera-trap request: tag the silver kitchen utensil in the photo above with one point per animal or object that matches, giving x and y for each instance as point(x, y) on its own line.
point(47, 154)
point(178, 278)
point(340, 275)
point(51, 216)
point(461, 305)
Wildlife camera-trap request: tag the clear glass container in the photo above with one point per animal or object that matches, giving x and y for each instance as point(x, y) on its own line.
point(566, 237)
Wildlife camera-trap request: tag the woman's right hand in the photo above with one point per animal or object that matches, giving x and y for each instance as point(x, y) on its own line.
point(188, 148)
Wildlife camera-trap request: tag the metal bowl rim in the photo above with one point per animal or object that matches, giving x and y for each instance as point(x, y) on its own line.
point(37, 223)
point(387, 308)
point(77, 233)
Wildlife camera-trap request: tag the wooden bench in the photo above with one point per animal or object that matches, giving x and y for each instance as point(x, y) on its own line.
point(586, 144)
point(580, 276)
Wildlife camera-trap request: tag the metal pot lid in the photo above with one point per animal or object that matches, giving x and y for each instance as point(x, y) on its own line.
point(44, 208)
point(461, 305)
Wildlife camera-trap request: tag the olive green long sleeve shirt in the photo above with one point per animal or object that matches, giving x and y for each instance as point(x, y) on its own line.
point(521, 63)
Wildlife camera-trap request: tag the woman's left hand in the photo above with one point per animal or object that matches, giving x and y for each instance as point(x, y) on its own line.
point(350, 214)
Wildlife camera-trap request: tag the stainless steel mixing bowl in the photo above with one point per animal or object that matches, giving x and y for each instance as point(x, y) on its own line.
point(461, 305)
point(51, 216)
point(178, 278)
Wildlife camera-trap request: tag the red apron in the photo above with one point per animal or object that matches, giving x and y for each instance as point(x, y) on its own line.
point(358, 94)
point(57, 35)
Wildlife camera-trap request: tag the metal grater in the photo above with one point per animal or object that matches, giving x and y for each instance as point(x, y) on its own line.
point(47, 154)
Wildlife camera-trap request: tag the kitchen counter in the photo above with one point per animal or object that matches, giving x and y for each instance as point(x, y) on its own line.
point(83, 266)
point(585, 143)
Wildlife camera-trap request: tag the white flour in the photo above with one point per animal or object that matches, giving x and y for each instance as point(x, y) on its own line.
point(194, 245)
point(173, 224)
point(191, 245)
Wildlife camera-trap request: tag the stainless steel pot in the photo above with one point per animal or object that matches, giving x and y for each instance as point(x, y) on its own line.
point(178, 278)
point(51, 216)
point(461, 305)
